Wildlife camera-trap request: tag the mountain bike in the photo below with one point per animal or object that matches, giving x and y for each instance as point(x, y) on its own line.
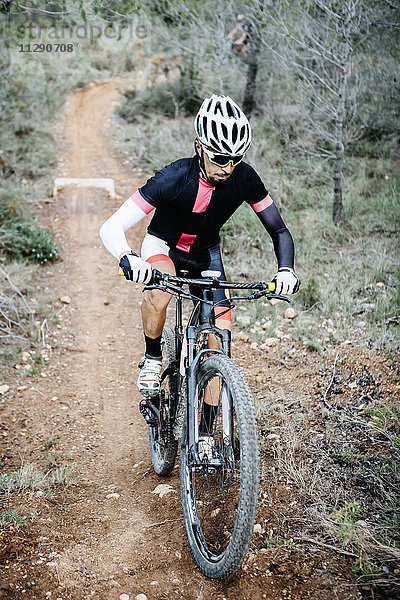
point(206, 404)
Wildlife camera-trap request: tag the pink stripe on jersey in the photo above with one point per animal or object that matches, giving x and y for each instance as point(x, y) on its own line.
point(185, 241)
point(204, 194)
point(264, 203)
point(145, 206)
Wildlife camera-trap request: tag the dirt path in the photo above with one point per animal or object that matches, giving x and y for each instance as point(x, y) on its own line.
point(125, 550)
point(107, 534)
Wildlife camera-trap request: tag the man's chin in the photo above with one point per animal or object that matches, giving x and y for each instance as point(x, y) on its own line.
point(221, 179)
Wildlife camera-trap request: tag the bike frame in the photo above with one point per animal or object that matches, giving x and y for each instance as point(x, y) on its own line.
point(202, 318)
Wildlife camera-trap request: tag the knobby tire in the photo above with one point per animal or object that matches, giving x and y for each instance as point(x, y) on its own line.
point(163, 446)
point(219, 508)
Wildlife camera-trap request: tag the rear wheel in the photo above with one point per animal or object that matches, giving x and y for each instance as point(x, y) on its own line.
point(219, 490)
point(163, 446)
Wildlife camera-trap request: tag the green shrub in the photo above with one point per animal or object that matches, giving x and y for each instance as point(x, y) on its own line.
point(27, 241)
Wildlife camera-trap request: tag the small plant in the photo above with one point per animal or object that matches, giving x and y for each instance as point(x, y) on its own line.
point(310, 293)
point(48, 493)
point(61, 476)
point(343, 457)
point(346, 517)
point(52, 459)
point(365, 570)
point(272, 543)
point(11, 517)
point(49, 443)
point(32, 371)
point(30, 478)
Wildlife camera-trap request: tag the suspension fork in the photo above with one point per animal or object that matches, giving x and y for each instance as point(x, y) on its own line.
point(193, 365)
point(178, 326)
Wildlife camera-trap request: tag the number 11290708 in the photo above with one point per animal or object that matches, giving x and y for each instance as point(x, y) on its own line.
point(45, 48)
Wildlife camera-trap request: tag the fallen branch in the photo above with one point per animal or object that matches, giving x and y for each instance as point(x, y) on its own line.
point(303, 312)
point(161, 523)
point(279, 362)
point(327, 404)
point(328, 546)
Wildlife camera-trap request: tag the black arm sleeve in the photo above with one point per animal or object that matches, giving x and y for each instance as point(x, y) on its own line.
point(281, 237)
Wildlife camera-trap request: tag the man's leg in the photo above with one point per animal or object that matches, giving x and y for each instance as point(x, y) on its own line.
point(155, 302)
point(154, 310)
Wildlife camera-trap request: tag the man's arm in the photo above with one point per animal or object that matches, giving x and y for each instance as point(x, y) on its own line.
point(231, 34)
point(272, 221)
point(285, 279)
point(112, 232)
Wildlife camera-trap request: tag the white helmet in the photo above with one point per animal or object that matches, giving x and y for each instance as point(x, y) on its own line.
point(221, 126)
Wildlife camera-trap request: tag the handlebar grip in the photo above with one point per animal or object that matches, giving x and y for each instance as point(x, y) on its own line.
point(271, 286)
point(121, 272)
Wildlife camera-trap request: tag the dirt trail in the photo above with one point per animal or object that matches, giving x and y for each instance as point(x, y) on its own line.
point(108, 534)
point(125, 549)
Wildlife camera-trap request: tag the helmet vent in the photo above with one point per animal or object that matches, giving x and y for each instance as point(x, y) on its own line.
point(234, 133)
point(218, 107)
point(205, 126)
point(224, 130)
point(214, 130)
point(198, 126)
point(226, 147)
point(230, 110)
point(242, 132)
point(209, 104)
point(214, 145)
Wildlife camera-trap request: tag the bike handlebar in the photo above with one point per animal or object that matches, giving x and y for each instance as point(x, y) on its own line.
point(166, 281)
point(209, 282)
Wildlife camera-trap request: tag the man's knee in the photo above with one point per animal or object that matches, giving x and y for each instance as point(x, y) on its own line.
point(156, 300)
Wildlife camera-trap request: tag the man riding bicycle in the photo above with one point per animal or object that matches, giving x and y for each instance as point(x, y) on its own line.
point(193, 198)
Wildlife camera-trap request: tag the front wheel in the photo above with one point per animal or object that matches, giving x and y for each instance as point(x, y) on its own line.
point(219, 490)
point(163, 446)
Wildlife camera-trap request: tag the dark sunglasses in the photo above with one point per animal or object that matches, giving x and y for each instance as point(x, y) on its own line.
point(223, 160)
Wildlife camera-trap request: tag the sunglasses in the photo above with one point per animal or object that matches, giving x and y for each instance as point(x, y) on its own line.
point(223, 160)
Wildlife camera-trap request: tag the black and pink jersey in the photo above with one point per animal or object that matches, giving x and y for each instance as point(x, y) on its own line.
point(190, 211)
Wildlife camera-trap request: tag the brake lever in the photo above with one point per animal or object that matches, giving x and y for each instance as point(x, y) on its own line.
point(269, 295)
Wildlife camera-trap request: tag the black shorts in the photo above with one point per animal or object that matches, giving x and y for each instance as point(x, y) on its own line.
point(189, 265)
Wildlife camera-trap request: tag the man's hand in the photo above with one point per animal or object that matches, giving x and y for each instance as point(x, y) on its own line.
point(134, 268)
point(286, 281)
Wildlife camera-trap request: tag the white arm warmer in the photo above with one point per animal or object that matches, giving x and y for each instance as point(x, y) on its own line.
point(112, 232)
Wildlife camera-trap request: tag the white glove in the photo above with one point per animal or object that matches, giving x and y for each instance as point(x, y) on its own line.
point(135, 268)
point(286, 281)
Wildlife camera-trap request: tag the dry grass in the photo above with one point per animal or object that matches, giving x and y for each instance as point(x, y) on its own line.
point(341, 472)
point(15, 312)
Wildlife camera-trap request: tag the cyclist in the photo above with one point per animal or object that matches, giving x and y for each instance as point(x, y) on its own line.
point(192, 199)
point(240, 34)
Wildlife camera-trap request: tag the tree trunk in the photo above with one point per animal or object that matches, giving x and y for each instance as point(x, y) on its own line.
point(254, 51)
point(337, 214)
point(337, 185)
point(251, 83)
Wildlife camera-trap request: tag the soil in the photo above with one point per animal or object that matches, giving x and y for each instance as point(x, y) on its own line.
point(107, 534)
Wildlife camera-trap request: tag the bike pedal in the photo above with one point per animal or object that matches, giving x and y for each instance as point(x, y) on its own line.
point(146, 413)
